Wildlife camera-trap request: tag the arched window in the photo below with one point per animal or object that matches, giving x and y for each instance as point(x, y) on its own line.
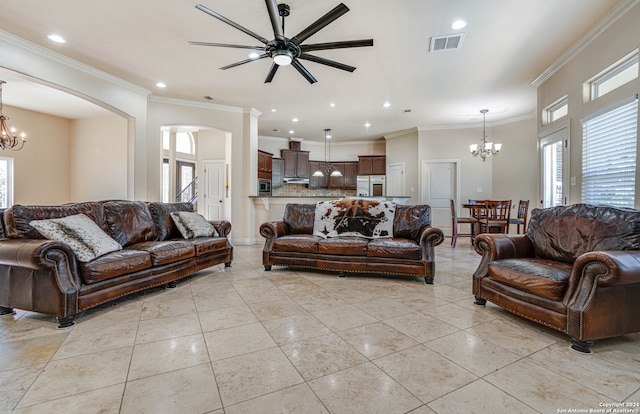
point(185, 143)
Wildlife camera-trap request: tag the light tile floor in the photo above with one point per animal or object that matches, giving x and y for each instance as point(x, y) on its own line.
point(242, 340)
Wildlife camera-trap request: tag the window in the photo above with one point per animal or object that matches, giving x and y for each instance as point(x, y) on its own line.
point(166, 140)
point(555, 111)
point(609, 155)
point(185, 143)
point(6, 182)
point(620, 73)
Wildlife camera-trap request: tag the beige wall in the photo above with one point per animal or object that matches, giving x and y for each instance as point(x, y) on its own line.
point(622, 37)
point(403, 147)
point(41, 168)
point(98, 159)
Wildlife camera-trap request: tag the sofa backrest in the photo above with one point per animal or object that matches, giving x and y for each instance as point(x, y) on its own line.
point(18, 217)
point(161, 213)
point(129, 222)
point(408, 220)
point(566, 232)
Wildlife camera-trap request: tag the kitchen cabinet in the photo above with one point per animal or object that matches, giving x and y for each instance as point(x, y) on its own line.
point(317, 182)
point(350, 175)
point(336, 181)
point(264, 164)
point(277, 169)
point(372, 165)
point(296, 164)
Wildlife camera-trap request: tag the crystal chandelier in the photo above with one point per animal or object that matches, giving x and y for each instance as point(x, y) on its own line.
point(486, 149)
point(9, 139)
point(326, 169)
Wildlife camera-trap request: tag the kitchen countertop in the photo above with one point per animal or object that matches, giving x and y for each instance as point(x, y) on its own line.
point(321, 196)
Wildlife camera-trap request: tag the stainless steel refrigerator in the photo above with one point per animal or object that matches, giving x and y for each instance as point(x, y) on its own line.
point(371, 186)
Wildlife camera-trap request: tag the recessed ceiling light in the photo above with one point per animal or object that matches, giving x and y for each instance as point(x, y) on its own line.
point(56, 38)
point(254, 55)
point(367, 125)
point(294, 120)
point(273, 109)
point(386, 104)
point(458, 24)
point(291, 131)
point(332, 104)
point(161, 85)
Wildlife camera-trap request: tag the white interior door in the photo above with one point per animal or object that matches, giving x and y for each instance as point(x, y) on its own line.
point(438, 181)
point(214, 189)
point(395, 179)
point(554, 169)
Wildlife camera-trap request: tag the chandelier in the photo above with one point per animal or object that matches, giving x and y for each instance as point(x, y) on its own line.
point(486, 149)
point(9, 139)
point(325, 169)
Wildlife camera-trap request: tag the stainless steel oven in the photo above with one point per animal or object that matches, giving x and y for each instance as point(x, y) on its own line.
point(264, 187)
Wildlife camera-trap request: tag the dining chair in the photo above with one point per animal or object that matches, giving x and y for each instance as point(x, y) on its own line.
point(521, 220)
point(455, 220)
point(496, 216)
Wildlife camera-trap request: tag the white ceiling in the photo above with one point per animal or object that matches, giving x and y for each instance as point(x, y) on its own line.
point(507, 44)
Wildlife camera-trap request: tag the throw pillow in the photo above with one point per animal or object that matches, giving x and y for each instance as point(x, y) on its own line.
point(83, 235)
point(192, 225)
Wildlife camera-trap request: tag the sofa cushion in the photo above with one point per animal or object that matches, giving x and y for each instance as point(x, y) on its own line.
point(192, 225)
point(299, 218)
point(343, 246)
point(566, 232)
point(409, 220)
point(304, 243)
point(18, 217)
point(115, 264)
point(167, 251)
point(206, 245)
point(82, 234)
point(129, 221)
point(540, 277)
point(394, 248)
point(354, 217)
point(165, 227)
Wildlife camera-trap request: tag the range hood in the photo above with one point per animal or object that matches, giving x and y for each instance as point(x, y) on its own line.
point(290, 180)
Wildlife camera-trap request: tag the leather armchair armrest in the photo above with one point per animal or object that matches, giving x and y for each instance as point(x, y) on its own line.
point(223, 227)
point(431, 236)
point(606, 268)
point(274, 229)
point(33, 253)
point(500, 246)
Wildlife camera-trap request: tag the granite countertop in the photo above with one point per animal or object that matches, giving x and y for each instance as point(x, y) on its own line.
point(321, 196)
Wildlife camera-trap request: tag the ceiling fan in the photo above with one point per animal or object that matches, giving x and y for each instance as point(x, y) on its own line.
point(285, 50)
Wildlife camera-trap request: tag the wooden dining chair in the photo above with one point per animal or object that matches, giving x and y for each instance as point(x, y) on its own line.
point(496, 216)
point(455, 221)
point(521, 220)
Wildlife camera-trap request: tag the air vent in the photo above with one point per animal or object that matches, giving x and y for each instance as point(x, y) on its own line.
point(448, 42)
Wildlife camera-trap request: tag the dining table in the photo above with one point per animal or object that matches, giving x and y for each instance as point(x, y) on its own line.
point(477, 211)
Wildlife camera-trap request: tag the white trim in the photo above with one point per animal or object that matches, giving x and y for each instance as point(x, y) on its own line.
point(204, 105)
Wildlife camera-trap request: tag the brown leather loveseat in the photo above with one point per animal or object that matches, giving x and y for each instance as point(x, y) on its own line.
point(576, 270)
point(45, 276)
point(410, 251)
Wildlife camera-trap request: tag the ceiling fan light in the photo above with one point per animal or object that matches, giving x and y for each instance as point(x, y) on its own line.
point(282, 57)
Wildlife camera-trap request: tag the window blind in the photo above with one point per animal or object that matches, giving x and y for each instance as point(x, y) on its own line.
point(609, 156)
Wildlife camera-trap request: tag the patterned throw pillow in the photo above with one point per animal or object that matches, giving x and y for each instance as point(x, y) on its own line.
point(83, 235)
point(192, 225)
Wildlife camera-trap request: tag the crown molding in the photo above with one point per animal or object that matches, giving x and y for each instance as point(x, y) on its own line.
point(614, 14)
point(401, 133)
point(194, 104)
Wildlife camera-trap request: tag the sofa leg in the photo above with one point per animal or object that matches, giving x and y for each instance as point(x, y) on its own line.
point(428, 280)
point(65, 322)
point(581, 346)
point(227, 264)
point(6, 311)
point(171, 285)
point(267, 268)
point(342, 274)
point(480, 301)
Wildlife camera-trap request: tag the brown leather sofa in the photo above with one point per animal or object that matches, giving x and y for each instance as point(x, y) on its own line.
point(44, 276)
point(576, 270)
point(409, 252)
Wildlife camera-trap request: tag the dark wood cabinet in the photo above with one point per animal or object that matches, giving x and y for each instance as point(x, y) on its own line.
point(264, 164)
point(317, 182)
point(350, 175)
point(336, 181)
point(372, 165)
point(296, 164)
point(277, 168)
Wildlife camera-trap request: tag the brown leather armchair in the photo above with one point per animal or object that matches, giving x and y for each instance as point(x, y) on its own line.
point(576, 270)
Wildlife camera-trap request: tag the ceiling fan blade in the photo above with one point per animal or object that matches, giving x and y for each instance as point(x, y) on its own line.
point(274, 15)
point(242, 62)
point(231, 23)
point(272, 72)
point(336, 45)
point(316, 26)
point(327, 62)
point(192, 43)
point(303, 71)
